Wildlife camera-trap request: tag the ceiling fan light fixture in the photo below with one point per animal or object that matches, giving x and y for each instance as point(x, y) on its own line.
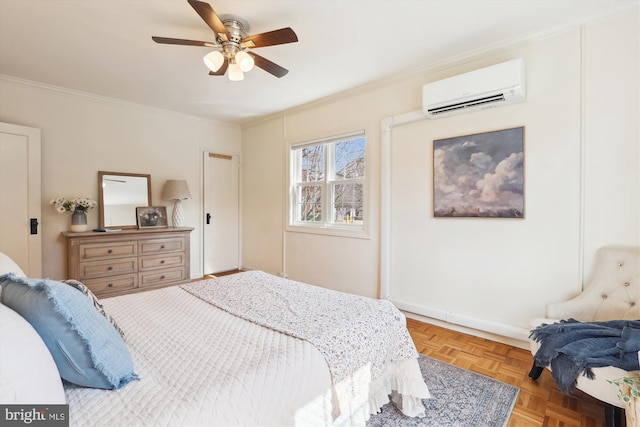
point(244, 60)
point(235, 73)
point(214, 60)
point(231, 40)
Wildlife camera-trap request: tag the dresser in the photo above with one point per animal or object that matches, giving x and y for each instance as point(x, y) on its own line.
point(130, 260)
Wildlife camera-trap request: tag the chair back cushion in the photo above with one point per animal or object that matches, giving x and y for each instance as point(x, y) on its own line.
point(611, 292)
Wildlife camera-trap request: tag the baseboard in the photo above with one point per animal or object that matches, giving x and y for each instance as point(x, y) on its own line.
point(499, 332)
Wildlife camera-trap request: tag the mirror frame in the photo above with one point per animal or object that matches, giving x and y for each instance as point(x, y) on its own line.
point(101, 174)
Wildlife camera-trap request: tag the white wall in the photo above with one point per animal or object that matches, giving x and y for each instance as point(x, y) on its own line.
point(496, 270)
point(82, 135)
point(612, 133)
point(581, 170)
point(263, 197)
point(330, 261)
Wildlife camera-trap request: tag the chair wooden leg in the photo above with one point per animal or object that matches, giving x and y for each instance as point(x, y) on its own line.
point(613, 415)
point(535, 372)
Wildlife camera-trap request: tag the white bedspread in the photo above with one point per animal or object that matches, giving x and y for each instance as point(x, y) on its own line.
point(201, 366)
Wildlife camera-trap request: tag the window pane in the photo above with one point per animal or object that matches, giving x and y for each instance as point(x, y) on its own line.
point(312, 164)
point(328, 179)
point(309, 203)
point(349, 158)
point(348, 202)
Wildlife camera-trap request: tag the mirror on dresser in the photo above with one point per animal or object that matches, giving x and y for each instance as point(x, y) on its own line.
point(120, 194)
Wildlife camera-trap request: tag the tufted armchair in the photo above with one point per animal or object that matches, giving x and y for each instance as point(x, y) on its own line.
point(612, 292)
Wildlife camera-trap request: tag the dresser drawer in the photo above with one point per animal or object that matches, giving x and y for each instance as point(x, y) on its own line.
point(156, 246)
point(93, 251)
point(108, 267)
point(112, 284)
point(151, 262)
point(130, 260)
point(160, 277)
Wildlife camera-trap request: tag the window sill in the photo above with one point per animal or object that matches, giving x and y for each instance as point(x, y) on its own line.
point(336, 230)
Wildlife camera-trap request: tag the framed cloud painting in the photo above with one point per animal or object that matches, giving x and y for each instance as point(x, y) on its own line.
point(479, 175)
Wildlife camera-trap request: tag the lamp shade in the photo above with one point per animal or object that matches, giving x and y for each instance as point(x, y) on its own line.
point(176, 189)
point(235, 73)
point(214, 60)
point(244, 60)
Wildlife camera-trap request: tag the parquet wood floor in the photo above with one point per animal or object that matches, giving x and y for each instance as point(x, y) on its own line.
point(539, 403)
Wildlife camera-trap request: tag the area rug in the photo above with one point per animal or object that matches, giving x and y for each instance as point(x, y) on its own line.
point(459, 398)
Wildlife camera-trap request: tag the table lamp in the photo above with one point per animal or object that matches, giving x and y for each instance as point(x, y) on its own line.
point(176, 190)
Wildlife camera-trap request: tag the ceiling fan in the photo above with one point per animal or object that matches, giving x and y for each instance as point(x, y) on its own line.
point(232, 44)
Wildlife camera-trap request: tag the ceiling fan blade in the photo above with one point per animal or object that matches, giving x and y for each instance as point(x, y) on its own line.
point(221, 70)
point(268, 66)
point(271, 38)
point(209, 16)
point(168, 40)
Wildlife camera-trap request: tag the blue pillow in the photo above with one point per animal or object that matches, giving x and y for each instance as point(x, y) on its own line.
point(87, 350)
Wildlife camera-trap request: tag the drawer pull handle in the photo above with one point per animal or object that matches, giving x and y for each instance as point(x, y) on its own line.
point(110, 251)
point(162, 262)
point(110, 268)
point(110, 285)
point(162, 246)
point(162, 277)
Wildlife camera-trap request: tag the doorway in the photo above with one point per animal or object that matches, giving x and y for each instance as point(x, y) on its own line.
point(221, 226)
point(20, 199)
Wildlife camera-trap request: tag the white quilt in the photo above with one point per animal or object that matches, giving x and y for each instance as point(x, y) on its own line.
point(201, 366)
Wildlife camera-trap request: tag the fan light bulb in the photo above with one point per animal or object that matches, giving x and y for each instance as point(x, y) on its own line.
point(214, 60)
point(235, 73)
point(244, 60)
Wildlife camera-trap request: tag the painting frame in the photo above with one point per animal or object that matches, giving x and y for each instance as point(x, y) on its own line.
point(151, 217)
point(479, 175)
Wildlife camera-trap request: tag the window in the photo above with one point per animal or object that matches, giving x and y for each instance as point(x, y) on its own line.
point(328, 182)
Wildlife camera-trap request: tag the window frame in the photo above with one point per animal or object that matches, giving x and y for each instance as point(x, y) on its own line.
point(327, 226)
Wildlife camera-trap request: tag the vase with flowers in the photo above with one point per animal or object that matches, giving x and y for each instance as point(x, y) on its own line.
point(79, 206)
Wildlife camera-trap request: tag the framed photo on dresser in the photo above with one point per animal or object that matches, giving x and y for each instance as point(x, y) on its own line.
point(151, 216)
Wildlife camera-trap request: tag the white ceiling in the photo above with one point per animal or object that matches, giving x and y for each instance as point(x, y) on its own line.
point(104, 47)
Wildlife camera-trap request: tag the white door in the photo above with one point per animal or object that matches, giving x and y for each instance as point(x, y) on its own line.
point(221, 213)
point(20, 198)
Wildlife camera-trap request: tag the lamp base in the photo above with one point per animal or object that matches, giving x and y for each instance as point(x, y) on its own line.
point(177, 217)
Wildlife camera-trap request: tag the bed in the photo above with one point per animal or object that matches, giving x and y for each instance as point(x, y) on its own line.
point(222, 352)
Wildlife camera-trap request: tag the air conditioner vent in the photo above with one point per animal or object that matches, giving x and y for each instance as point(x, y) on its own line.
point(468, 104)
point(494, 86)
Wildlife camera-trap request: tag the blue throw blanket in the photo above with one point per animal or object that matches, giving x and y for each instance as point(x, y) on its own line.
point(572, 348)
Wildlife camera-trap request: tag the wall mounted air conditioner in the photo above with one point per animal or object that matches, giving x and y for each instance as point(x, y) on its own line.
point(494, 86)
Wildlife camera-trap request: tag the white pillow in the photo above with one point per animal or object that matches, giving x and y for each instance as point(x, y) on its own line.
point(28, 373)
point(7, 265)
